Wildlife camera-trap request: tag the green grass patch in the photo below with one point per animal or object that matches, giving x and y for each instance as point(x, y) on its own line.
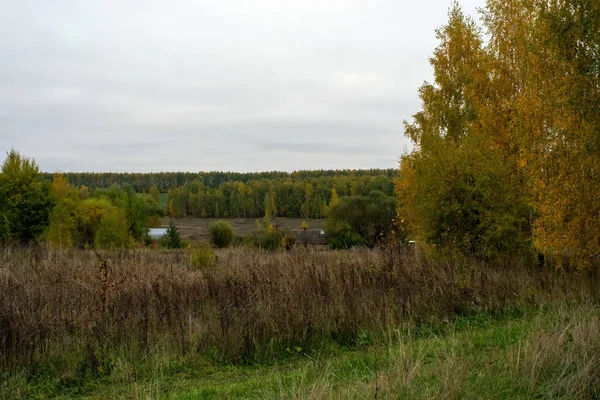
point(549, 353)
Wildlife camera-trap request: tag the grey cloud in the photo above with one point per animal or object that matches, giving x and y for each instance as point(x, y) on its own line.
point(229, 85)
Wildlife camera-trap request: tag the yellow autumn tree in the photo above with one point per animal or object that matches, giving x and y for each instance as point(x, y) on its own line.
point(63, 218)
point(460, 188)
point(548, 55)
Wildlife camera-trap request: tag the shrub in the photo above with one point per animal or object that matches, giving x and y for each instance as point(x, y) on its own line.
point(220, 234)
point(238, 240)
point(203, 256)
point(270, 240)
point(361, 219)
point(288, 241)
point(265, 240)
point(343, 236)
point(172, 240)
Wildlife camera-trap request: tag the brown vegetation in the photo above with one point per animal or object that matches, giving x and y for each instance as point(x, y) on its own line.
point(193, 229)
point(251, 303)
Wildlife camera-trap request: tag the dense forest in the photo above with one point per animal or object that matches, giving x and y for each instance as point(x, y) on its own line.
point(142, 182)
point(62, 214)
point(242, 195)
point(297, 196)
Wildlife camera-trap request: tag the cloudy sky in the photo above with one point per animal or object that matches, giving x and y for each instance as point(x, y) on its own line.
point(183, 85)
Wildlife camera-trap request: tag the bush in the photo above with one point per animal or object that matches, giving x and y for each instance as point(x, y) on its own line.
point(203, 256)
point(361, 219)
point(343, 237)
point(270, 240)
point(220, 234)
point(288, 241)
point(265, 240)
point(237, 241)
point(172, 240)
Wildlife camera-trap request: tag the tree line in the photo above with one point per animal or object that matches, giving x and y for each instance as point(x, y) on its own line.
point(507, 142)
point(300, 196)
point(142, 182)
point(67, 216)
point(64, 215)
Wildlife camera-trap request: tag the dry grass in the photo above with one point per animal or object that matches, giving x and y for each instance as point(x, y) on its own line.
point(252, 305)
point(194, 229)
point(556, 354)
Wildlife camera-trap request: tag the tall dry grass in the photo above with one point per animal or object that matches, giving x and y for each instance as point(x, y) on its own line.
point(549, 355)
point(251, 304)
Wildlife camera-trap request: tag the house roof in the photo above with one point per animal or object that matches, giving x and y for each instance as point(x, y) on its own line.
point(157, 233)
point(310, 236)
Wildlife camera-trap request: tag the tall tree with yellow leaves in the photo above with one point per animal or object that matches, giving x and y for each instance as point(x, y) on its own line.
point(548, 53)
point(460, 187)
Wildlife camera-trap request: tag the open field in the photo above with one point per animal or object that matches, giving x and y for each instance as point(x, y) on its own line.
point(194, 229)
point(298, 324)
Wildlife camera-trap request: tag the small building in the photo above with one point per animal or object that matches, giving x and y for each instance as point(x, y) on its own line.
point(156, 233)
point(310, 236)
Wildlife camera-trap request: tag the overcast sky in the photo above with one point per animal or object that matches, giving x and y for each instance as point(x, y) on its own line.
point(231, 85)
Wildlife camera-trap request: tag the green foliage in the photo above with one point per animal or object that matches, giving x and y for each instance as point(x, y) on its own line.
point(112, 233)
point(143, 182)
point(462, 187)
point(25, 203)
point(360, 220)
point(300, 196)
point(61, 231)
point(91, 212)
point(220, 234)
point(154, 194)
point(140, 209)
point(76, 218)
point(172, 239)
point(475, 205)
point(238, 240)
point(340, 235)
point(203, 256)
point(266, 240)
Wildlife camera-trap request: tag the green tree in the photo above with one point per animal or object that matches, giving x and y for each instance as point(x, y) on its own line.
point(172, 239)
point(25, 204)
point(113, 233)
point(90, 214)
point(462, 187)
point(62, 226)
point(340, 235)
point(361, 219)
point(220, 234)
point(62, 230)
point(155, 194)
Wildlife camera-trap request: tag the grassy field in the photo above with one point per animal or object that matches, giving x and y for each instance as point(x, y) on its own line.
point(546, 353)
point(301, 324)
point(194, 229)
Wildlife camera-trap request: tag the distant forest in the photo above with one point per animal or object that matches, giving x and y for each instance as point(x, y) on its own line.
point(305, 194)
point(142, 182)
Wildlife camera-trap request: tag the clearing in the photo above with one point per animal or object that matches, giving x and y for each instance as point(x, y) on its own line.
point(193, 229)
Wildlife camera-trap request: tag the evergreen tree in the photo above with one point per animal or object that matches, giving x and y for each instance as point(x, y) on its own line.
point(172, 239)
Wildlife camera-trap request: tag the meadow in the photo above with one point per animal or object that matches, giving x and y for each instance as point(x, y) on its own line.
point(300, 324)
